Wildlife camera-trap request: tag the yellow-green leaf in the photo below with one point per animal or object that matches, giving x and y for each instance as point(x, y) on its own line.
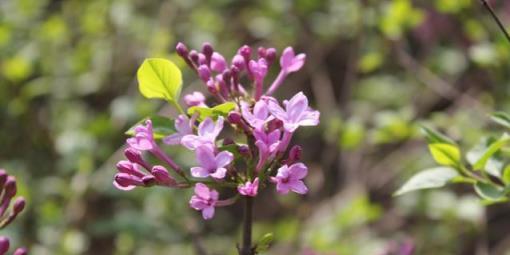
point(160, 78)
point(445, 154)
point(493, 148)
point(219, 110)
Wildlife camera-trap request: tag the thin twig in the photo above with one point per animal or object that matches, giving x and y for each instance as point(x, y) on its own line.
point(247, 248)
point(495, 17)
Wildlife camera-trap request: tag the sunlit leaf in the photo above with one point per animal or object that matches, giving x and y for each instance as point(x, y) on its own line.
point(215, 112)
point(160, 78)
point(427, 179)
point(445, 154)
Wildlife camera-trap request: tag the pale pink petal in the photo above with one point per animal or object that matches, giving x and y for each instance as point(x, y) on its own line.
point(208, 213)
point(310, 118)
point(220, 173)
point(286, 58)
point(173, 139)
point(224, 158)
point(123, 188)
point(282, 188)
point(277, 111)
point(297, 63)
point(206, 127)
point(296, 106)
point(205, 157)
point(199, 172)
point(202, 191)
point(298, 171)
point(298, 187)
point(260, 110)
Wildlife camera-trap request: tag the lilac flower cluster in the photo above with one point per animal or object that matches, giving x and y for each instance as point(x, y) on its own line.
point(256, 155)
point(8, 190)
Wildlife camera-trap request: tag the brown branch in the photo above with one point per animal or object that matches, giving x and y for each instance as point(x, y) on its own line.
point(495, 17)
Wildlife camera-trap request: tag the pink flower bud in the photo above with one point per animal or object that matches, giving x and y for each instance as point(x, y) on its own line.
point(135, 156)
point(19, 205)
point(261, 52)
point(244, 150)
point(202, 59)
point(294, 154)
point(21, 251)
point(162, 176)
point(204, 73)
point(270, 55)
point(245, 51)
point(218, 62)
point(207, 50)
point(234, 117)
point(193, 55)
point(125, 181)
point(10, 187)
point(4, 244)
point(127, 167)
point(238, 61)
point(149, 180)
point(182, 50)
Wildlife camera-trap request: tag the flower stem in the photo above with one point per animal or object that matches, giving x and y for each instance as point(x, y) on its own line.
point(247, 248)
point(495, 17)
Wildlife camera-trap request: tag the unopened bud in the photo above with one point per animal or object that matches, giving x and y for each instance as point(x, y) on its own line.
point(126, 180)
point(238, 61)
point(244, 150)
point(10, 187)
point(21, 251)
point(218, 62)
point(162, 176)
point(4, 244)
point(204, 73)
point(182, 50)
point(193, 55)
point(202, 60)
point(294, 154)
point(234, 117)
point(270, 55)
point(149, 180)
point(207, 50)
point(262, 52)
point(245, 51)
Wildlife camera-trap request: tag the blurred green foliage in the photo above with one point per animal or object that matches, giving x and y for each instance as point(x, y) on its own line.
point(376, 70)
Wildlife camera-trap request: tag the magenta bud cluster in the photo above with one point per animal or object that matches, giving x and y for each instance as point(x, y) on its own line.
point(10, 208)
point(255, 154)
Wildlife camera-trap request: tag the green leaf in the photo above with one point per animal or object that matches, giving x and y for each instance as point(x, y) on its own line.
point(264, 242)
point(506, 175)
point(160, 78)
point(429, 178)
point(501, 118)
point(433, 136)
point(489, 192)
point(215, 112)
point(491, 150)
point(445, 154)
point(161, 126)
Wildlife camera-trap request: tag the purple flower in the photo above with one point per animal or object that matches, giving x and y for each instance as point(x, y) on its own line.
point(204, 200)
point(289, 178)
point(249, 188)
point(260, 115)
point(143, 139)
point(194, 99)
point(289, 62)
point(297, 112)
point(183, 126)
point(218, 62)
point(267, 145)
point(207, 133)
point(210, 164)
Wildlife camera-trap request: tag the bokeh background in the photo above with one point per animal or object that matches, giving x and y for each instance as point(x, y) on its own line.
point(376, 69)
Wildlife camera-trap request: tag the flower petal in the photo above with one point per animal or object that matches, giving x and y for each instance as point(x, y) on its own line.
point(208, 213)
point(277, 110)
point(298, 171)
point(205, 157)
point(199, 172)
point(224, 158)
point(298, 187)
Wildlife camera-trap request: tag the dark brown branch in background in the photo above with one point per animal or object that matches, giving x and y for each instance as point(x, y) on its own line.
point(246, 248)
point(495, 17)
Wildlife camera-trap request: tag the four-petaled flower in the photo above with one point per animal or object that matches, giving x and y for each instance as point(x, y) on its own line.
point(210, 164)
point(194, 99)
point(289, 178)
point(249, 188)
point(260, 115)
point(143, 139)
point(297, 112)
point(267, 144)
point(183, 126)
point(289, 62)
point(204, 200)
point(207, 133)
